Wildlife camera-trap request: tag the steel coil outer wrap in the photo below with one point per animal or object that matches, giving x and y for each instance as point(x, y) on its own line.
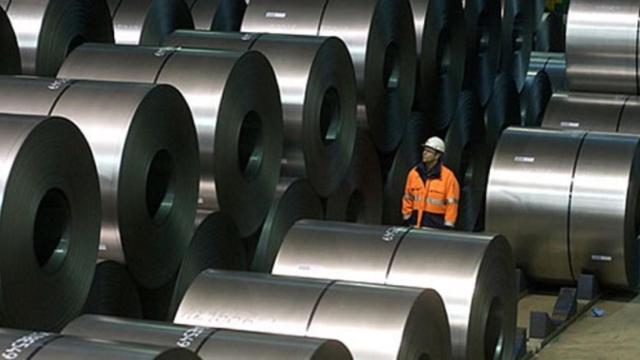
point(49, 221)
point(550, 32)
point(534, 98)
point(217, 15)
point(208, 343)
point(380, 38)
point(413, 322)
point(554, 64)
point(518, 26)
point(48, 30)
point(237, 115)
point(585, 111)
point(10, 59)
point(113, 292)
point(548, 215)
point(502, 111)
point(147, 163)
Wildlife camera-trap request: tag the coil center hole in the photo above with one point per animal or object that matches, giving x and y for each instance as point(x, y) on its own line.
point(391, 71)
point(483, 40)
point(355, 207)
point(250, 147)
point(518, 33)
point(52, 230)
point(160, 189)
point(330, 119)
point(493, 335)
point(443, 52)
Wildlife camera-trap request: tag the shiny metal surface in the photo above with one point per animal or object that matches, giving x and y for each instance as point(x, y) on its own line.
point(379, 43)
point(602, 46)
point(584, 111)
point(412, 325)
point(550, 33)
point(208, 343)
point(49, 221)
point(113, 292)
point(529, 196)
point(295, 199)
point(148, 183)
point(217, 15)
point(629, 120)
point(474, 273)
point(10, 60)
point(318, 92)
point(502, 111)
point(441, 49)
point(16, 344)
point(518, 27)
point(148, 22)
point(604, 210)
point(47, 31)
point(554, 64)
point(359, 196)
point(239, 88)
point(484, 43)
point(535, 97)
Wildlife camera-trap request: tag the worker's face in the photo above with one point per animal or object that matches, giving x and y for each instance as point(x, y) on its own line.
point(429, 156)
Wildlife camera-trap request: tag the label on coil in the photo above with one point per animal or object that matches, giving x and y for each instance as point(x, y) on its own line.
point(524, 159)
point(23, 343)
point(392, 232)
point(570, 124)
point(189, 336)
point(602, 258)
point(275, 14)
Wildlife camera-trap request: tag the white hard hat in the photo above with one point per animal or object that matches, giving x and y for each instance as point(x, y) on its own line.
point(435, 143)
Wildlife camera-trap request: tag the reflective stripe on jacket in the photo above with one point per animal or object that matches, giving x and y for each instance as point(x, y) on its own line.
point(428, 201)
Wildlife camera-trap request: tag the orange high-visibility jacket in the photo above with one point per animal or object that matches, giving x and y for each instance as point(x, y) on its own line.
point(427, 202)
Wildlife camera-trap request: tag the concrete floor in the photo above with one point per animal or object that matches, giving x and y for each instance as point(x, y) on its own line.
point(616, 335)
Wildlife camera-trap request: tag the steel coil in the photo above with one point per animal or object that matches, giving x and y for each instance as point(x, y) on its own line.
point(208, 343)
point(467, 156)
point(602, 46)
point(585, 111)
point(239, 88)
point(534, 98)
point(10, 59)
point(295, 200)
point(484, 42)
point(407, 156)
point(560, 221)
point(380, 38)
point(554, 65)
point(46, 259)
point(359, 196)
point(538, 10)
point(413, 323)
point(217, 15)
point(502, 110)
point(474, 274)
point(145, 147)
point(15, 344)
point(47, 31)
point(113, 292)
point(148, 22)
point(441, 48)
point(318, 92)
point(549, 35)
point(518, 27)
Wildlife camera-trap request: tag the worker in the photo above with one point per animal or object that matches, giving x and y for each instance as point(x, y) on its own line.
point(432, 191)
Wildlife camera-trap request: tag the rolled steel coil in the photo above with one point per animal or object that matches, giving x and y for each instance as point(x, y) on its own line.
point(145, 148)
point(47, 31)
point(295, 199)
point(10, 59)
point(602, 46)
point(549, 35)
point(240, 156)
point(554, 64)
point(567, 202)
point(413, 322)
point(474, 274)
point(518, 27)
point(113, 292)
point(538, 10)
point(467, 157)
point(217, 15)
point(318, 92)
point(359, 196)
point(148, 22)
point(484, 42)
point(408, 155)
point(441, 45)
point(208, 343)
point(380, 38)
point(49, 221)
point(502, 111)
point(534, 98)
point(16, 344)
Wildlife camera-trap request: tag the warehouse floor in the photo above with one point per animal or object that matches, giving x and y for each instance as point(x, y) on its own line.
point(613, 336)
